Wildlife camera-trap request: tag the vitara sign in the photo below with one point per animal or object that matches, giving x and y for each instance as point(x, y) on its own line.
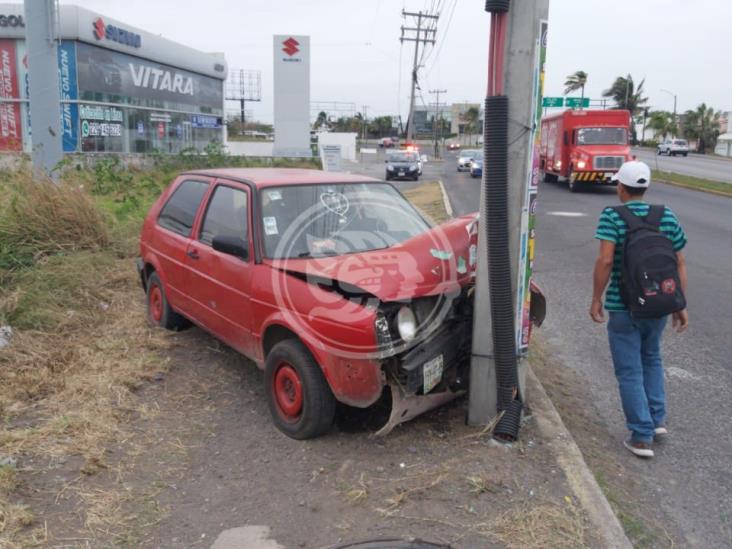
point(161, 79)
point(115, 34)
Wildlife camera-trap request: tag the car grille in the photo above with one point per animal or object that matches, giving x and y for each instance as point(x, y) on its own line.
point(608, 162)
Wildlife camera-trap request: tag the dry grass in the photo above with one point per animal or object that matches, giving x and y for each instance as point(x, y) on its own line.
point(79, 351)
point(38, 218)
point(540, 525)
point(428, 200)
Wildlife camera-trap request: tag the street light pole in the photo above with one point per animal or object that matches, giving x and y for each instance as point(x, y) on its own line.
point(674, 96)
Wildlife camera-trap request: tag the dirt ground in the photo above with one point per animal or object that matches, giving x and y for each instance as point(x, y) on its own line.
point(197, 454)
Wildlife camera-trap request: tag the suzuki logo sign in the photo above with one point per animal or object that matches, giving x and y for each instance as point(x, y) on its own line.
point(290, 46)
point(115, 34)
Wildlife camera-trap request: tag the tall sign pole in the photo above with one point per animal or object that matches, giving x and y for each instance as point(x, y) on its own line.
point(421, 35)
point(523, 79)
point(41, 36)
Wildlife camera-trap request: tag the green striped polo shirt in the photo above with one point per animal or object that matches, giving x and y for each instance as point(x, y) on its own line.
point(612, 228)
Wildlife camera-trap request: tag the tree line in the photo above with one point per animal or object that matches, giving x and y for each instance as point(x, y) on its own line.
point(701, 124)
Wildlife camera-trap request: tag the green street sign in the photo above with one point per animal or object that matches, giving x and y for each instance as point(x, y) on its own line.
point(552, 102)
point(577, 102)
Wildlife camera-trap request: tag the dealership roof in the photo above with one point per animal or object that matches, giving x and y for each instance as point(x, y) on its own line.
point(77, 23)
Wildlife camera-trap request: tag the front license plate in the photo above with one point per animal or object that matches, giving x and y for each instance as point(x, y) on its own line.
point(401, 173)
point(432, 373)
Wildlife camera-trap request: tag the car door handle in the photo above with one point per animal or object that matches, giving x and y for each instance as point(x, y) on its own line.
point(193, 254)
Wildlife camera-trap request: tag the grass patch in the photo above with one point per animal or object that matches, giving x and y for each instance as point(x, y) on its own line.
point(696, 183)
point(427, 197)
point(80, 349)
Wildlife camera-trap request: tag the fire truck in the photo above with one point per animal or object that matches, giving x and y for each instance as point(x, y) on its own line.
point(584, 147)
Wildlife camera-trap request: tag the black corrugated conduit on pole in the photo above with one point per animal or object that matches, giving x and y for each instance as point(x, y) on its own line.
point(496, 225)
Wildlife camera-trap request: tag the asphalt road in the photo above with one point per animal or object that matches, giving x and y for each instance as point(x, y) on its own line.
point(690, 479)
point(697, 165)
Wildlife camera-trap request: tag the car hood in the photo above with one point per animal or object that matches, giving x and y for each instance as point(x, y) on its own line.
point(440, 260)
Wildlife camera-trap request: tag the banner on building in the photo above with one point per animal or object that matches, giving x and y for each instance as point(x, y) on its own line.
point(69, 92)
point(11, 125)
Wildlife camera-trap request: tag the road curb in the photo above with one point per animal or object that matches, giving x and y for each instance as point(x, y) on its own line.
point(445, 199)
point(578, 474)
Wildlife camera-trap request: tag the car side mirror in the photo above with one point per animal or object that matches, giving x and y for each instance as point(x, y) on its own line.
point(386, 161)
point(231, 245)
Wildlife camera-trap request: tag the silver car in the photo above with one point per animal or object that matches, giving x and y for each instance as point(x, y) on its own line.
point(466, 157)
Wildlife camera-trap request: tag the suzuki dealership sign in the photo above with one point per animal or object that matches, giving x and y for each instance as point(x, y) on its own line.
point(292, 95)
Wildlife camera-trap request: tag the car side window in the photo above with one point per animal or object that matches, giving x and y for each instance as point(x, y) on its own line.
point(226, 215)
point(179, 211)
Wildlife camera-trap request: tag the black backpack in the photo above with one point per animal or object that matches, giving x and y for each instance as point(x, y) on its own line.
point(649, 283)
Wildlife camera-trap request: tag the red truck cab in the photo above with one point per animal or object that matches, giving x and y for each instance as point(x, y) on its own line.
point(584, 146)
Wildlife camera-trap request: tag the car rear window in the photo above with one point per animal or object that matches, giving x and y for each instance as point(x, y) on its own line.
point(680, 142)
point(179, 212)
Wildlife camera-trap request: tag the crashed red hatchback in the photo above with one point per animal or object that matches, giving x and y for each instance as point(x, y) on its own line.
point(334, 284)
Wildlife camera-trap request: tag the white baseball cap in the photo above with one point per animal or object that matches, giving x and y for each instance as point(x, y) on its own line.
point(634, 174)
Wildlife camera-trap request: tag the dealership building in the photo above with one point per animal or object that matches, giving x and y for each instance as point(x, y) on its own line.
point(122, 89)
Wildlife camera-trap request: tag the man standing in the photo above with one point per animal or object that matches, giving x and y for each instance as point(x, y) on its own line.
point(635, 343)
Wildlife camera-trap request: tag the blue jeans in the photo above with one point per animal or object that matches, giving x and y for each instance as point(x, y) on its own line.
point(635, 345)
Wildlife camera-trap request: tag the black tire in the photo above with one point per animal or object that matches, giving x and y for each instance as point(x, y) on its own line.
point(159, 311)
point(572, 185)
point(317, 403)
point(388, 177)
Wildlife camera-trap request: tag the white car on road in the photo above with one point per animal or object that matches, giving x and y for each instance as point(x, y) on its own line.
point(672, 147)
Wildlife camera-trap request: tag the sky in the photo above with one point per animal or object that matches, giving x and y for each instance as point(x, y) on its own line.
point(356, 57)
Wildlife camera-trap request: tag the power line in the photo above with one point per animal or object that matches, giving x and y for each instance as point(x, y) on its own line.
point(444, 37)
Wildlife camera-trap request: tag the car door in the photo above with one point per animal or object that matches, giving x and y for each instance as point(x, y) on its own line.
point(219, 283)
point(172, 234)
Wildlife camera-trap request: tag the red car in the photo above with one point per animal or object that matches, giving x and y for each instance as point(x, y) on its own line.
point(333, 284)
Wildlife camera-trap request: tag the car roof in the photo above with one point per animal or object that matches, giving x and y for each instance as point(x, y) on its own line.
point(267, 177)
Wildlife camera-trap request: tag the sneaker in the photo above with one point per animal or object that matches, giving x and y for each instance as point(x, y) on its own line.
point(640, 449)
point(660, 432)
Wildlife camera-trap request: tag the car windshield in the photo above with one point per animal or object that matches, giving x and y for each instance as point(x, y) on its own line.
point(471, 154)
point(320, 220)
point(402, 157)
point(602, 136)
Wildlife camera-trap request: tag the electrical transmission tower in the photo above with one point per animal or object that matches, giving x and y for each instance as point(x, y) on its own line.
point(421, 34)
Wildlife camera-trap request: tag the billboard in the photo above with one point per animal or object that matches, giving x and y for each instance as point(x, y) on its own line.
point(11, 133)
point(292, 95)
point(108, 75)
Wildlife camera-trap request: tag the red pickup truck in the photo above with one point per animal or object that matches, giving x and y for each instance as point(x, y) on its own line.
point(333, 284)
point(584, 147)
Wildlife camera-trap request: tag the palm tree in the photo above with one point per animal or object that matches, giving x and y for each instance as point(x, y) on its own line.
point(626, 95)
point(662, 123)
point(702, 124)
point(576, 82)
point(471, 117)
point(321, 120)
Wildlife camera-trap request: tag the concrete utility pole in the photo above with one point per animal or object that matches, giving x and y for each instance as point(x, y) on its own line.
point(41, 35)
point(519, 64)
point(421, 36)
point(364, 122)
point(436, 120)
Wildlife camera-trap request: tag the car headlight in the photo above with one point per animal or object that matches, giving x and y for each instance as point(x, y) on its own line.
point(406, 324)
point(413, 167)
point(581, 164)
point(390, 168)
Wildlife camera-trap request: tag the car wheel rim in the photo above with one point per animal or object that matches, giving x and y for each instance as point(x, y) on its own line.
point(288, 392)
point(156, 303)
